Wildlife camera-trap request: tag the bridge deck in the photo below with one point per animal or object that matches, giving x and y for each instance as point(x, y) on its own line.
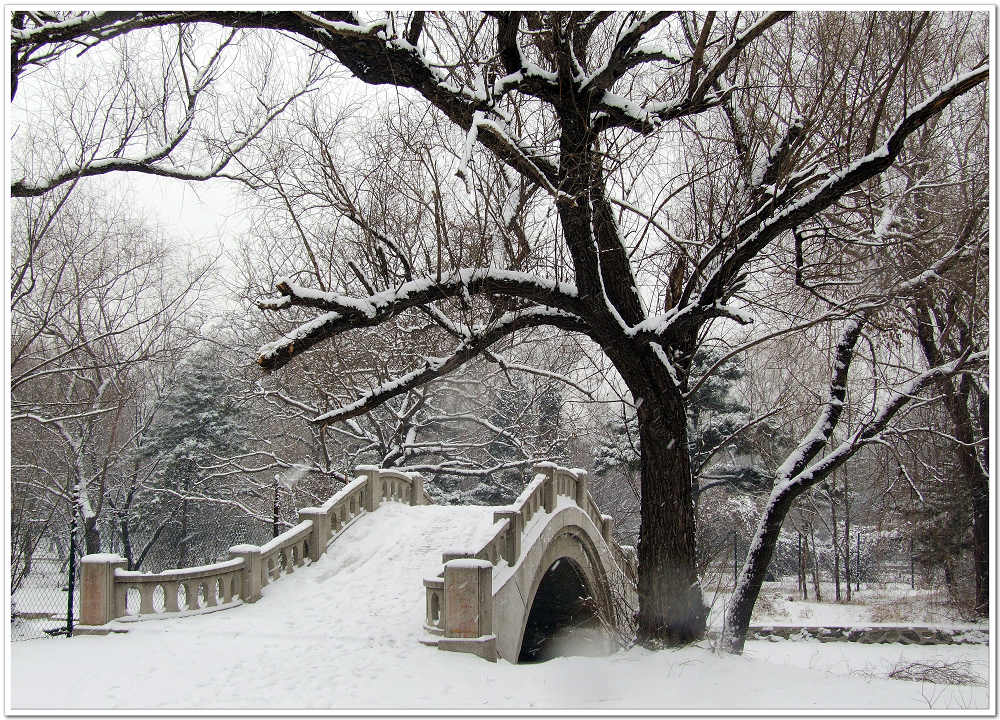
point(369, 582)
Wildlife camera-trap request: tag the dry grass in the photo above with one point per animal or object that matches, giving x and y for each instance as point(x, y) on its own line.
point(944, 673)
point(766, 607)
point(933, 607)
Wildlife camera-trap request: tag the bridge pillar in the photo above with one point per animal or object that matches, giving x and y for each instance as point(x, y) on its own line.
point(581, 489)
point(320, 531)
point(373, 488)
point(250, 581)
point(416, 489)
point(607, 527)
point(468, 609)
point(549, 491)
point(97, 591)
point(512, 540)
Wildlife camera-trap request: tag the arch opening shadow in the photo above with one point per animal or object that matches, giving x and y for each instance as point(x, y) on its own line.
point(563, 620)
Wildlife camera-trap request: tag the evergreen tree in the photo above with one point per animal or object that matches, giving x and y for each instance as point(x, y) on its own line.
point(198, 423)
point(713, 415)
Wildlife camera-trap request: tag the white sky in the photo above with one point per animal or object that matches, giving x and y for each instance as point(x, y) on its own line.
point(205, 216)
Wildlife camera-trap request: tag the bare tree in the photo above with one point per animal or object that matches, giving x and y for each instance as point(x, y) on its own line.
point(784, 124)
point(107, 305)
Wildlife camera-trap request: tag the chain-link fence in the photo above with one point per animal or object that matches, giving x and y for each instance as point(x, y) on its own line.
point(45, 582)
point(43, 588)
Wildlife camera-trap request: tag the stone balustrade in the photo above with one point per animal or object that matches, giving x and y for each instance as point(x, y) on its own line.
point(109, 592)
point(172, 591)
point(465, 574)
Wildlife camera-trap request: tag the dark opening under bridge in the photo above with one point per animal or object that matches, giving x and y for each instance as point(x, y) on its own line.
point(545, 561)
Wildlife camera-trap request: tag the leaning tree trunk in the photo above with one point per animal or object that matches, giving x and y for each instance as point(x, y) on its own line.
point(753, 573)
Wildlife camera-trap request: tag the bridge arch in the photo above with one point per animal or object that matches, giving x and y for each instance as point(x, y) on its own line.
point(568, 536)
point(482, 601)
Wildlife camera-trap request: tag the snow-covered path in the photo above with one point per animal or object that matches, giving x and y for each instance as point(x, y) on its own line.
point(342, 634)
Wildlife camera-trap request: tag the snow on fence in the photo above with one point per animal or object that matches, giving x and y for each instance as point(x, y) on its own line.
point(110, 592)
point(503, 544)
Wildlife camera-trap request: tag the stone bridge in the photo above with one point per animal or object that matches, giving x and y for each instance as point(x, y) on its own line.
point(544, 553)
point(547, 562)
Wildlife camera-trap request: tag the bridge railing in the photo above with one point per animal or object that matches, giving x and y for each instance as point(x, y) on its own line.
point(503, 544)
point(110, 592)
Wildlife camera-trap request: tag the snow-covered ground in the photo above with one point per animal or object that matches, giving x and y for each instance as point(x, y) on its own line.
point(894, 603)
point(343, 634)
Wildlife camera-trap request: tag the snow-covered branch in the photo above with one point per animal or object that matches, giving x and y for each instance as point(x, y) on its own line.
point(156, 161)
point(558, 300)
point(755, 232)
point(468, 349)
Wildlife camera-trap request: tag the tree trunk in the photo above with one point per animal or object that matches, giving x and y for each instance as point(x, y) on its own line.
point(836, 550)
point(127, 544)
point(182, 545)
point(847, 540)
point(975, 475)
point(753, 573)
point(91, 536)
point(803, 590)
point(815, 564)
point(671, 608)
point(981, 550)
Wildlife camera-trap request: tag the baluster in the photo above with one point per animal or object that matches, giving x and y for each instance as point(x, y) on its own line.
point(288, 554)
point(121, 599)
point(186, 587)
point(434, 614)
point(227, 588)
point(196, 598)
point(146, 599)
point(300, 550)
point(211, 592)
point(191, 595)
point(170, 597)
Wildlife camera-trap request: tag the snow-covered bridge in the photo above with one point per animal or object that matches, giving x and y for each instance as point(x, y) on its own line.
point(496, 581)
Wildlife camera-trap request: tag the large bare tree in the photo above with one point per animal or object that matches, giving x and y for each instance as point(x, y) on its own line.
point(681, 156)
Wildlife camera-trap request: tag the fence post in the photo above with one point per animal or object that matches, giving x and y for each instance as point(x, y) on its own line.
point(320, 531)
point(97, 588)
point(250, 583)
point(72, 576)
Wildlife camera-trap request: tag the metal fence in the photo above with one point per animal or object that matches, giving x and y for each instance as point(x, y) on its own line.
point(44, 590)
